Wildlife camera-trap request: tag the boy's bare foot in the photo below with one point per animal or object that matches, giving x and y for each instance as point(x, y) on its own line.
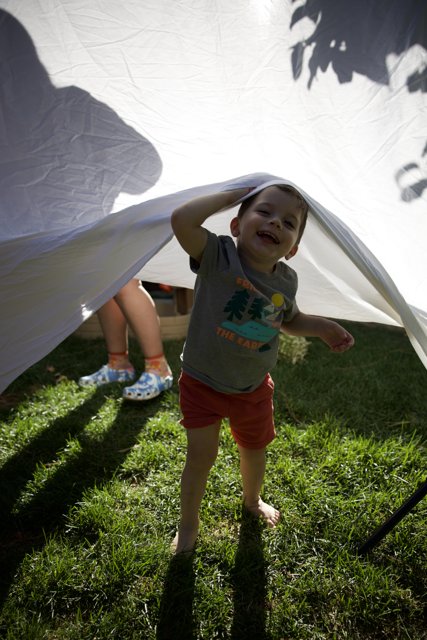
point(184, 541)
point(261, 509)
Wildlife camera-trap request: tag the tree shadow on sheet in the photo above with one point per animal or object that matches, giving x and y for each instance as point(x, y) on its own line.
point(358, 39)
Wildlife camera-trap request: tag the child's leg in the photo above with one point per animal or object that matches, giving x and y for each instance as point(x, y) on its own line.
point(252, 468)
point(140, 311)
point(202, 450)
point(114, 327)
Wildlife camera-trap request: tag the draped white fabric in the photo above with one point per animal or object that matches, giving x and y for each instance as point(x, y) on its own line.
point(131, 108)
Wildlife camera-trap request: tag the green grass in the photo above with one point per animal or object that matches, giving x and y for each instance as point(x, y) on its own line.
point(89, 500)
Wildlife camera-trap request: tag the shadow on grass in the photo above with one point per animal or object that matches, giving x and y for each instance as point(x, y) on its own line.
point(176, 620)
point(26, 529)
point(249, 582)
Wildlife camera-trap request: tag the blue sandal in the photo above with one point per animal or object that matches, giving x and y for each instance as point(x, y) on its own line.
point(106, 375)
point(149, 385)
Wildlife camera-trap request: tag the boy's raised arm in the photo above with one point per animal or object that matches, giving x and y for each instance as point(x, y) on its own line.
point(187, 220)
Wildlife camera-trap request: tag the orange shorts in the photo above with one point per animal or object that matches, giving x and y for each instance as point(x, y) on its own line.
point(250, 414)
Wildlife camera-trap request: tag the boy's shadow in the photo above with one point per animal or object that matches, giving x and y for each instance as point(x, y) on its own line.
point(249, 582)
point(25, 529)
point(176, 620)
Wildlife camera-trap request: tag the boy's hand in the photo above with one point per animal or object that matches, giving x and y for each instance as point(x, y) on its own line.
point(332, 333)
point(187, 220)
point(336, 337)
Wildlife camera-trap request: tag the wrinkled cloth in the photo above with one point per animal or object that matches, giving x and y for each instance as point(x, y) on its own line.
point(112, 114)
point(50, 283)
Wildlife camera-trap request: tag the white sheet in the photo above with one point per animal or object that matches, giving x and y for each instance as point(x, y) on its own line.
point(130, 109)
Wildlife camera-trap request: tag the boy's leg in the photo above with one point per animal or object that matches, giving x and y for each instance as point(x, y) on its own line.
point(252, 469)
point(202, 450)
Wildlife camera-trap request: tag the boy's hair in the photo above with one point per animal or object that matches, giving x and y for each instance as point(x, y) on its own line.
point(287, 188)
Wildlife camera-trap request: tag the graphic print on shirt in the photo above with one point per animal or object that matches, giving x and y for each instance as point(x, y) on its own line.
point(259, 317)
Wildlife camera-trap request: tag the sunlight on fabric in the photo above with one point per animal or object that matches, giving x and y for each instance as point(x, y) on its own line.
point(86, 312)
point(128, 109)
point(264, 10)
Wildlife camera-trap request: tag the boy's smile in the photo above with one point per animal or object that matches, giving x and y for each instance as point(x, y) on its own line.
point(268, 229)
point(268, 237)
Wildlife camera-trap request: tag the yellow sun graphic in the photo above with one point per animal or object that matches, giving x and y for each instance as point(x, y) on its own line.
point(277, 299)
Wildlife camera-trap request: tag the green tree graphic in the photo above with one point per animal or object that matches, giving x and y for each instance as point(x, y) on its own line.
point(236, 306)
point(256, 310)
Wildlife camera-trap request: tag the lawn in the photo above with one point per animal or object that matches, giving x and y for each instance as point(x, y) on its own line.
point(89, 495)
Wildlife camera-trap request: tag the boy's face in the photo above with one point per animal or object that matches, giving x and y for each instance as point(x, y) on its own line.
point(268, 229)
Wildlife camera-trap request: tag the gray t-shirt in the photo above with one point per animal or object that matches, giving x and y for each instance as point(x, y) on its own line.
point(233, 336)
